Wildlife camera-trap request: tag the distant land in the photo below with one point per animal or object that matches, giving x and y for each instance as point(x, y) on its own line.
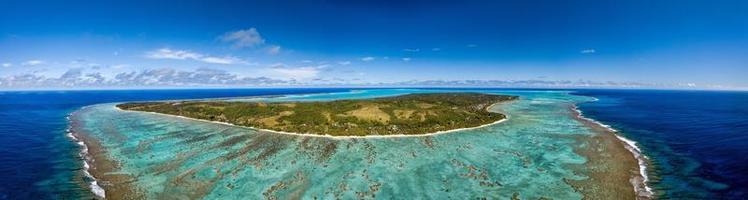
point(410, 114)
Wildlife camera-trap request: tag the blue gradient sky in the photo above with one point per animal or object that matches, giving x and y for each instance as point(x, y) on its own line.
point(703, 43)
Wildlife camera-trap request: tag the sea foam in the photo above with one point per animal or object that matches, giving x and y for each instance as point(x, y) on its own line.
point(630, 145)
point(94, 185)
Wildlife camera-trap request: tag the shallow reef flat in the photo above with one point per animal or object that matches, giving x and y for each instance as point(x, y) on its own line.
point(536, 153)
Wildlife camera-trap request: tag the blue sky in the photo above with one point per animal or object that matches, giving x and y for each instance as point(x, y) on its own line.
point(80, 44)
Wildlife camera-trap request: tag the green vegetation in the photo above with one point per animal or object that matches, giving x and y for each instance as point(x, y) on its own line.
point(406, 114)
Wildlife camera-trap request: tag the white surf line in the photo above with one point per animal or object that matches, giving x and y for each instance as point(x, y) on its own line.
point(635, 150)
point(332, 136)
point(94, 185)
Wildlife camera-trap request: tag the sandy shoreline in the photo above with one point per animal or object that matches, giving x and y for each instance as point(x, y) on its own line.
point(634, 160)
point(506, 117)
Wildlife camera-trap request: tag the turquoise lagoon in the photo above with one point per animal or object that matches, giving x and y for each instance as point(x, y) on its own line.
point(530, 155)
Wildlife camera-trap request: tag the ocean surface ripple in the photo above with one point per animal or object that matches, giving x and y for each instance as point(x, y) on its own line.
point(695, 140)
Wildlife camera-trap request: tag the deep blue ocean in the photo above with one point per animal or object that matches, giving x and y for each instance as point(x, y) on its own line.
point(38, 160)
point(696, 140)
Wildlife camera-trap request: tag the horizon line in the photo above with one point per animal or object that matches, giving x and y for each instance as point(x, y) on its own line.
point(368, 87)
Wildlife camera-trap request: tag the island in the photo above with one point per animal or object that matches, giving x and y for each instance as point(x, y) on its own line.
point(410, 114)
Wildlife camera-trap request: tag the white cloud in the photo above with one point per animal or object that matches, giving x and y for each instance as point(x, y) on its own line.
point(79, 77)
point(306, 61)
point(82, 77)
point(32, 62)
point(277, 65)
point(166, 53)
point(586, 51)
point(296, 73)
point(344, 62)
point(227, 60)
point(412, 50)
point(367, 59)
point(406, 59)
point(288, 72)
point(243, 38)
point(120, 66)
point(274, 49)
point(436, 49)
point(7, 64)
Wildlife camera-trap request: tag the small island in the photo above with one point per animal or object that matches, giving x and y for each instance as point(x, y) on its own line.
point(410, 114)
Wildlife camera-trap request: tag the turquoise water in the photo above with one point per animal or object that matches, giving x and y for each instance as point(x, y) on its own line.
point(530, 155)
